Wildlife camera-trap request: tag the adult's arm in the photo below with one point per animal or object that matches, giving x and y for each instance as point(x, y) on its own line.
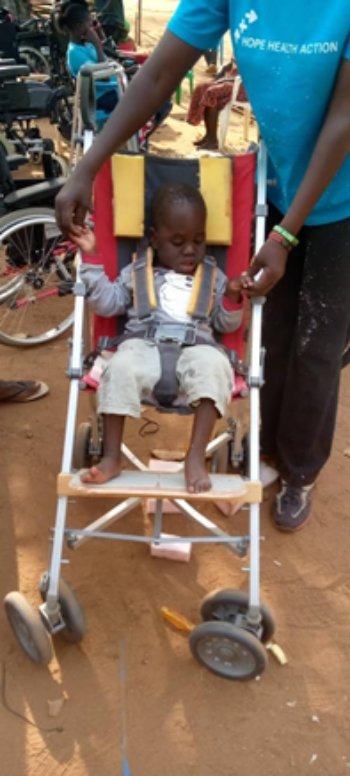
point(332, 147)
point(155, 82)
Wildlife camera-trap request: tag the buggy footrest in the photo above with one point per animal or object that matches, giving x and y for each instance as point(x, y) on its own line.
point(160, 485)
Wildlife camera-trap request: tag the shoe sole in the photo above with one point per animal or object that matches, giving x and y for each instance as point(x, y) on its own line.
point(288, 529)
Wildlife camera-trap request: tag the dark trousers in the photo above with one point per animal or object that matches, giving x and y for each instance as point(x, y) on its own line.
point(107, 101)
point(306, 323)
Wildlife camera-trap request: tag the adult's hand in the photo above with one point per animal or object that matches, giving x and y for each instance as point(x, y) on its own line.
point(73, 202)
point(267, 268)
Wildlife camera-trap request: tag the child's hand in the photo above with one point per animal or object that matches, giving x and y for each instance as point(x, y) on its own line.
point(237, 287)
point(84, 238)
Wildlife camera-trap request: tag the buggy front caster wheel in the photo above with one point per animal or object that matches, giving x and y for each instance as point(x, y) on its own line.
point(28, 628)
point(229, 605)
point(71, 611)
point(228, 651)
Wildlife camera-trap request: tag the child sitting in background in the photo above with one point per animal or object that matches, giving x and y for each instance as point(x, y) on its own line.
point(85, 48)
point(203, 370)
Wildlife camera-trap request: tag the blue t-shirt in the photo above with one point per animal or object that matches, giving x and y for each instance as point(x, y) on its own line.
point(288, 53)
point(79, 54)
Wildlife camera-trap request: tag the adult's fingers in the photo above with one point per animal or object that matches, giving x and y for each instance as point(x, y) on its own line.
point(263, 282)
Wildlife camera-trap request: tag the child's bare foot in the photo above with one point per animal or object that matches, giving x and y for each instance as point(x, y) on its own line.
point(196, 475)
point(104, 471)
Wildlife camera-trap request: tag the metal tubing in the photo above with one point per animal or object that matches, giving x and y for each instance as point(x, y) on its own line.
point(75, 365)
point(130, 456)
point(224, 539)
point(254, 576)
point(105, 520)
point(255, 377)
point(201, 519)
point(158, 520)
point(56, 557)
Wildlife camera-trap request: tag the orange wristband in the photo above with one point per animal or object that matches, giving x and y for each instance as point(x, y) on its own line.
point(279, 239)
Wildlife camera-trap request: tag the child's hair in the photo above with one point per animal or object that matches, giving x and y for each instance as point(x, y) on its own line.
point(169, 195)
point(72, 13)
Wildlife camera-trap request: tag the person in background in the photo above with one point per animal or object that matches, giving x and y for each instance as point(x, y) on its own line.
point(295, 65)
point(22, 390)
point(208, 99)
point(85, 47)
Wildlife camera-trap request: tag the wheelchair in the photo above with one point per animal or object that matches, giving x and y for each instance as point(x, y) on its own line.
point(36, 264)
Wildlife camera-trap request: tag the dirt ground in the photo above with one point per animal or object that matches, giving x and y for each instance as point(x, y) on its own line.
point(178, 719)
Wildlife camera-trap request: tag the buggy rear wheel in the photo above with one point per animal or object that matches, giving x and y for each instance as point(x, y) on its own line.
point(81, 455)
point(37, 275)
point(228, 651)
point(72, 613)
point(220, 460)
point(28, 628)
point(231, 606)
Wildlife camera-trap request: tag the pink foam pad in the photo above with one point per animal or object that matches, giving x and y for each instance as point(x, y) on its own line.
point(158, 465)
point(171, 550)
point(229, 508)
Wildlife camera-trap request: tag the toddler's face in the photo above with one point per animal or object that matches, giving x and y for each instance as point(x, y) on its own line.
point(180, 239)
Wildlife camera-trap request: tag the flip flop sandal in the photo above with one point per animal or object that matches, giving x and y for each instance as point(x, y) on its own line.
point(22, 390)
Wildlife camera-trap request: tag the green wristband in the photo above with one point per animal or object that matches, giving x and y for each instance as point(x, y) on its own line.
point(291, 239)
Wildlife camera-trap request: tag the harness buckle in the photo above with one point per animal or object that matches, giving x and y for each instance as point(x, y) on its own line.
point(167, 332)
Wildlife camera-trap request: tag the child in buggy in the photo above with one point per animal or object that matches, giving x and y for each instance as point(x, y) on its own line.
point(170, 350)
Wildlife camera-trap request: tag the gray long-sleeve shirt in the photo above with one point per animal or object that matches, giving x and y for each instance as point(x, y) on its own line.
point(109, 298)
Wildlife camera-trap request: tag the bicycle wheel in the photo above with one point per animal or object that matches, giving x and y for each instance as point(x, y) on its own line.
point(37, 275)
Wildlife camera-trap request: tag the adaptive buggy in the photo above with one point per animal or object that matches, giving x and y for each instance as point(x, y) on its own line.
point(236, 625)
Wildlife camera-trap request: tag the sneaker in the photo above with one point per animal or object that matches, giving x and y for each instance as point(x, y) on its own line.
point(292, 507)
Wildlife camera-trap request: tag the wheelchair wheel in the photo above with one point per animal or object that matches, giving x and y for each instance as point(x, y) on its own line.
point(63, 116)
point(35, 60)
point(60, 166)
point(36, 278)
point(28, 628)
point(228, 651)
point(229, 605)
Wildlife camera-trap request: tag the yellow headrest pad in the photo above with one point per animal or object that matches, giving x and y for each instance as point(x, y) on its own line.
point(128, 176)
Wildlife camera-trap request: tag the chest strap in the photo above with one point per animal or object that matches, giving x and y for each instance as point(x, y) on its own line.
point(145, 300)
